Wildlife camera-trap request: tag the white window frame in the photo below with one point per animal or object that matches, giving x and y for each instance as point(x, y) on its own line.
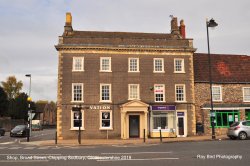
point(244, 98)
point(162, 61)
point(129, 91)
point(164, 93)
point(138, 65)
point(111, 120)
point(101, 64)
point(216, 86)
point(72, 93)
point(110, 93)
point(72, 121)
point(182, 65)
point(184, 92)
point(74, 63)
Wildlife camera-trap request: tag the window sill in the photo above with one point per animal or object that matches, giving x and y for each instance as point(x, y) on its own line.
point(184, 101)
point(77, 70)
point(160, 101)
point(134, 71)
point(105, 71)
point(75, 129)
point(134, 99)
point(105, 101)
point(105, 128)
point(179, 72)
point(78, 102)
point(158, 71)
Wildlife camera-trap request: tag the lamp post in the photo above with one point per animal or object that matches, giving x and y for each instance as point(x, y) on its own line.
point(80, 119)
point(29, 102)
point(210, 24)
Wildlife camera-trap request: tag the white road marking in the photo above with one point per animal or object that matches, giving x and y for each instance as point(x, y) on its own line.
point(15, 147)
point(143, 159)
point(23, 161)
point(3, 147)
point(5, 143)
point(29, 148)
point(42, 154)
point(138, 153)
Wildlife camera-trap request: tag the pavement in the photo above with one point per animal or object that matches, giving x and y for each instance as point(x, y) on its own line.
point(74, 142)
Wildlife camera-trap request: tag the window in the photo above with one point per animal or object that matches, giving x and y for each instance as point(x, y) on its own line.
point(246, 94)
point(225, 118)
point(77, 119)
point(105, 64)
point(133, 91)
point(133, 65)
point(216, 93)
point(159, 92)
point(179, 66)
point(105, 119)
point(158, 65)
point(180, 94)
point(77, 92)
point(163, 120)
point(105, 92)
point(78, 63)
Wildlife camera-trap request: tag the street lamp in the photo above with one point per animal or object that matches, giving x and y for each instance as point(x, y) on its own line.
point(29, 102)
point(80, 118)
point(211, 24)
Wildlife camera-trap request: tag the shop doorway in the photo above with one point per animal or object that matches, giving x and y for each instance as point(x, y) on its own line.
point(134, 126)
point(247, 114)
point(180, 126)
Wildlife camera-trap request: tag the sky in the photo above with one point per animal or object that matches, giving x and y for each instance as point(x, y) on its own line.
point(29, 30)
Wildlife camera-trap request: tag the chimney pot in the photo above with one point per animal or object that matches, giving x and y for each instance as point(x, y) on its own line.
point(174, 26)
point(182, 29)
point(68, 19)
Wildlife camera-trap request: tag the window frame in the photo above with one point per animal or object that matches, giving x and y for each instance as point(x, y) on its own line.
point(72, 93)
point(220, 87)
point(74, 63)
point(182, 65)
point(164, 93)
point(101, 64)
point(72, 121)
point(162, 61)
point(129, 92)
point(111, 120)
point(110, 93)
point(221, 113)
point(138, 65)
point(184, 93)
point(244, 98)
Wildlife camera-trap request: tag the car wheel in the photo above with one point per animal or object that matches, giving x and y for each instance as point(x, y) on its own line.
point(242, 135)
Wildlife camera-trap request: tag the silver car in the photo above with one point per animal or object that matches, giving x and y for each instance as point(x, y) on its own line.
point(239, 130)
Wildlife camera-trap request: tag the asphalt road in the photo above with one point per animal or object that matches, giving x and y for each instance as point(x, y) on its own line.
point(206, 153)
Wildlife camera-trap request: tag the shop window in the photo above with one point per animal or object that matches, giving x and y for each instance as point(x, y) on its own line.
point(105, 119)
point(162, 120)
point(225, 118)
point(78, 64)
point(77, 120)
point(105, 92)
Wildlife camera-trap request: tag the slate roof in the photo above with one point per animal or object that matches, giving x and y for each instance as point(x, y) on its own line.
point(225, 68)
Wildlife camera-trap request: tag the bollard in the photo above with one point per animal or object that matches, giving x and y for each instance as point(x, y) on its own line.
point(144, 135)
point(160, 136)
point(28, 135)
point(56, 138)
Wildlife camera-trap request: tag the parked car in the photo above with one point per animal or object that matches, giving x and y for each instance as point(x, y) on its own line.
point(19, 130)
point(2, 131)
point(239, 130)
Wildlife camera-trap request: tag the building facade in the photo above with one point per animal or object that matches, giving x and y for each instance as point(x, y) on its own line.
point(126, 84)
point(230, 90)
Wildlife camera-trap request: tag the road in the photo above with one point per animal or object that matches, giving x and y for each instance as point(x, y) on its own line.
point(206, 153)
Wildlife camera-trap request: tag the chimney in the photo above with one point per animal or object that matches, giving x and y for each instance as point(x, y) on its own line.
point(68, 30)
point(174, 26)
point(182, 29)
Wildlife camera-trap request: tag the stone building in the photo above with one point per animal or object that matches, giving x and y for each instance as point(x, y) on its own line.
point(231, 90)
point(125, 83)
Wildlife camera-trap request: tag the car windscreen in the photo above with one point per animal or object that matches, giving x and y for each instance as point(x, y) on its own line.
point(19, 127)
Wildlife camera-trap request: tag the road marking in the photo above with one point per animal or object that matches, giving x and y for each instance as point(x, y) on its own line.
point(5, 143)
point(30, 154)
point(46, 147)
point(29, 148)
point(24, 161)
point(143, 159)
point(15, 147)
point(3, 147)
point(137, 153)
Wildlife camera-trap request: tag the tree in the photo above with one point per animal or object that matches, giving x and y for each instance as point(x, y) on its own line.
point(12, 87)
point(3, 102)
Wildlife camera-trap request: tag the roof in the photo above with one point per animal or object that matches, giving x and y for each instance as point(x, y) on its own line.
point(225, 68)
point(124, 39)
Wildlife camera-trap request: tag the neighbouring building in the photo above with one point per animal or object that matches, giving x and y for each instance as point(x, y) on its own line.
point(230, 90)
point(45, 112)
point(126, 83)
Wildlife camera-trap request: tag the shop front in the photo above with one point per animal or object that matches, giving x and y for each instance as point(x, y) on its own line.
point(163, 121)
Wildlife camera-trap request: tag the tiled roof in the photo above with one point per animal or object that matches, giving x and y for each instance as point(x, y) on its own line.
point(225, 68)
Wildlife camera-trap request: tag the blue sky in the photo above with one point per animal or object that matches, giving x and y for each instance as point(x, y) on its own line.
point(30, 29)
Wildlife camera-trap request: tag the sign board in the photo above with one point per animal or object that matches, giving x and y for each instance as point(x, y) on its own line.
point(163, 108)
point(212, 114)
point(230, 118)
point(180, 113)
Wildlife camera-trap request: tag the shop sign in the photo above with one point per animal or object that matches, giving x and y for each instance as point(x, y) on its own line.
point(180, 113)
point(100, 107)
point(163, 107)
